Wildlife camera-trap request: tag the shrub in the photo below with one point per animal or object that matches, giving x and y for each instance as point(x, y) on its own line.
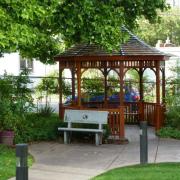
point(173, 117)
point(15, 99)
point(37, 128)
point(46, 110)
point(173, 101)
point(169, 132)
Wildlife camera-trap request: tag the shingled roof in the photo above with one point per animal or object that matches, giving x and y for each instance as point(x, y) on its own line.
point(87, 50)
point(134, 46)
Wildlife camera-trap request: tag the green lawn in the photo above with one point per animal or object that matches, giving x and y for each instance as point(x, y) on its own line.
point(161, 171)
point(8, 162)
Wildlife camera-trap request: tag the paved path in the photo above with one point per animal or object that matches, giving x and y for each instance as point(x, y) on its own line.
point(82, 161)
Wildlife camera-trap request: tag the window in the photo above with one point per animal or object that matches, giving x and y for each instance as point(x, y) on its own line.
point(26, 64)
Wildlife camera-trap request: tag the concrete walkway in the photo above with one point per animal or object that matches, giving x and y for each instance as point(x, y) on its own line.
point(82, 161)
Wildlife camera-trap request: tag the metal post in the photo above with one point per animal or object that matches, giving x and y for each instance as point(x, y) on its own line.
point(21, 162)
point(143, 143)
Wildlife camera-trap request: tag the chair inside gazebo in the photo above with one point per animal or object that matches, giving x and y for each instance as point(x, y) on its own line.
point(134, 54)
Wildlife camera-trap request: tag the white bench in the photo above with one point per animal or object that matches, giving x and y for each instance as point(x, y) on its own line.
point(84, 116)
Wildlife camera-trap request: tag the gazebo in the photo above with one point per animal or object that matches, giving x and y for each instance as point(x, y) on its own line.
point(134, 54)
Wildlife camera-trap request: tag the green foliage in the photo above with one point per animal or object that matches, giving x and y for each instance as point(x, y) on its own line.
point(23, 101)
point(160, 171)
point(172, 121)
point(37, 128)
point(168, 26)
point(26, 27)
point(173, 117)
point(173, 101)
point(8, 162)
point(100, 21)
point(113, 85)
point(173, 89)
point(169, 132)
point(6, 113)
point(15, 100)
point(46, 110)
point(49, 85)
point(93, 87)
point(39, 29)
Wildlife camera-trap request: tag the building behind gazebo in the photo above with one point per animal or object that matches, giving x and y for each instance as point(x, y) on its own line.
point(134, 54)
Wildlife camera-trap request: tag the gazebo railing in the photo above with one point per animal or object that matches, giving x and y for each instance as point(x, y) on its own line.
point(150, 113)
point(133, 113)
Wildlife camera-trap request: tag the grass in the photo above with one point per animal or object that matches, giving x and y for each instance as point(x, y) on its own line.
point(8, 162)
point(160, 171)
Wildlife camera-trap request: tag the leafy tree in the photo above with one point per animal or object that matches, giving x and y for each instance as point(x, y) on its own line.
point(168, 26)
point(39, 28)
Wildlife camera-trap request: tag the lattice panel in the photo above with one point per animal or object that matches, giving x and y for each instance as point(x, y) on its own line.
point(109, 64)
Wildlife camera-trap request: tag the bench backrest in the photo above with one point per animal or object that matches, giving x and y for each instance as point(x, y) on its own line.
point(85, 116)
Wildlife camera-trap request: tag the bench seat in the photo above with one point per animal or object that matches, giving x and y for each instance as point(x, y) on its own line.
point(81, 130)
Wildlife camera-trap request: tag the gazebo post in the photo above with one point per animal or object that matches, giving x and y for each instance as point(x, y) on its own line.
point(141, 85)
point(158, 82)
point(141, 92)
point(121, 73)
point(60, 93)
point(163, 96)
point(163, 86)
point(105, 88)
point(121, 107)
point(79, 83)
point(73, 85)
point(158, 106)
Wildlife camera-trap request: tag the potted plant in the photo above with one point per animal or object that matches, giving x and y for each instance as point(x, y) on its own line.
point(7, 123)
point(7, 119)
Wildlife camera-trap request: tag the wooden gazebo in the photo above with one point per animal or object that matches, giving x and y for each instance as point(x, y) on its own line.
point(133, 54)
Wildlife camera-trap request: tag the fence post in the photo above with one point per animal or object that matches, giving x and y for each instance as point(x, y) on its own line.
point(143, 143)
point(21, 162)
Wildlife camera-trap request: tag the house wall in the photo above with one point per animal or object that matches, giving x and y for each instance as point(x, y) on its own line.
point(174, 3)
point(173, 61)
point(11, 64)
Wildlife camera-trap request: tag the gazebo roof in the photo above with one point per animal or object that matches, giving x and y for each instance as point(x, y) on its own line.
point(87, 50)
point(133, 47)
